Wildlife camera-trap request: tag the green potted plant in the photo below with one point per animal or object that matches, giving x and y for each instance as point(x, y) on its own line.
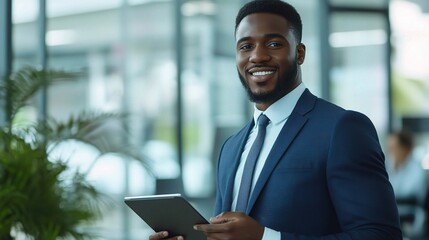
point(41, 197)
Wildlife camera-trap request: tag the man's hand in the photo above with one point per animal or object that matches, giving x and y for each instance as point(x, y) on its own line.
point(232, 225)
point(163, 235)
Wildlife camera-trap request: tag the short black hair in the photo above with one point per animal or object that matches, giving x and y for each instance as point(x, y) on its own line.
point(405, 138)
point(276, 7)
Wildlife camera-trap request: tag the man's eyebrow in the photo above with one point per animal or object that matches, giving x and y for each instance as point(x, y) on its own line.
point(274, 35)
point(243, 39)
point(268, 35)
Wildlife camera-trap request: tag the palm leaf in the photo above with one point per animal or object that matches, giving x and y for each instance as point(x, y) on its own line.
point(104, 131)
point(42, 197)
point(18, 88)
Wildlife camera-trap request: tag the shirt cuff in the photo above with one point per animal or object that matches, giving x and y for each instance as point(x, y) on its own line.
point(270, 234)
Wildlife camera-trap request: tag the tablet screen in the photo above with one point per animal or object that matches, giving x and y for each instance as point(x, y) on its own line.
point(169, 212)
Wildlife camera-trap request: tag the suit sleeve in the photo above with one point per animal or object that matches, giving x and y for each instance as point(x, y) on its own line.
point(358, 184)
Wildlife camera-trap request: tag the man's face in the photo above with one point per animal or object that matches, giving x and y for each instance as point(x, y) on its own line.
point(397, 152)
point(267, 56)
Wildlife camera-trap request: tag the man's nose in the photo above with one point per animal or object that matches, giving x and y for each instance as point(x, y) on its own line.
point(259, 54)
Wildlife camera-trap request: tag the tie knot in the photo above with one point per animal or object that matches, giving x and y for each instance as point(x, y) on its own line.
point(263, 120)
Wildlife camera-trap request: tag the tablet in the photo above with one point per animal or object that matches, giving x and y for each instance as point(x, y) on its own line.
point(169, 212)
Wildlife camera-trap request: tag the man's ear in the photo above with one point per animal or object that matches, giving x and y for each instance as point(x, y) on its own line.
point(300, 51)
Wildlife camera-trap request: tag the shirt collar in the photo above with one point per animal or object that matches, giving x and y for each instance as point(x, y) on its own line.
point(282, 108)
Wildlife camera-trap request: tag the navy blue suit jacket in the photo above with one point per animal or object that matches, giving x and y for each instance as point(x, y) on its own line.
point(324, 177)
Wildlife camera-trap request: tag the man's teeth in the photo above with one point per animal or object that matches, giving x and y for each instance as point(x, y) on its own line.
point(262, 73)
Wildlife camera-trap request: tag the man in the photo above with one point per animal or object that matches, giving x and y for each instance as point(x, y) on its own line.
point(320, 173)
point(409, 182)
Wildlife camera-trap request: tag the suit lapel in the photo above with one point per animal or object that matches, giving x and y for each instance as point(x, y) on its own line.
point(241, 139)
point(288, 133)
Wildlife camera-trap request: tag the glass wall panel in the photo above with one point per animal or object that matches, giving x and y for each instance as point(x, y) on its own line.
point(197, 77)
point(214, 103)
point(25, 33)
point(359, 76)
point(125, 52)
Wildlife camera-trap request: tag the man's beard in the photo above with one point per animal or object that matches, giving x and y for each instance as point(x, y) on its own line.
point(283, 86)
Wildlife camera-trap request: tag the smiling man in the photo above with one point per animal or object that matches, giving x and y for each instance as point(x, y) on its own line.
point(301, 168)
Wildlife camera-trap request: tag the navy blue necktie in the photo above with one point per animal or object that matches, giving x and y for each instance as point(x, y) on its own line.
point(249, 166)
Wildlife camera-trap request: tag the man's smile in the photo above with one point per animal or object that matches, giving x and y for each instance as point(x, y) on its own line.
point(262, 73)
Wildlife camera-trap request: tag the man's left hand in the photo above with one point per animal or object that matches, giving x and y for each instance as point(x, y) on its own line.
point(232, 225)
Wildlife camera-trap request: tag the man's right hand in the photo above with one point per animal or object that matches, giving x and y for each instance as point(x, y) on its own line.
point(164, 235)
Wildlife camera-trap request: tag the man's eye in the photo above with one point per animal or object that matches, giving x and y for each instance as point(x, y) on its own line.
point(245, 47)
point(274, 44)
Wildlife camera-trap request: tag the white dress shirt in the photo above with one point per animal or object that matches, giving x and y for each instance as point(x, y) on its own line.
point(278, 113)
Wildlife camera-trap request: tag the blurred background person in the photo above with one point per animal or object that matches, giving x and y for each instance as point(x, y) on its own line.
point(409, 182)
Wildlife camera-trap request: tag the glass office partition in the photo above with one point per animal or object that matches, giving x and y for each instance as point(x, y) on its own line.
point(125, 52)
point(359, 73)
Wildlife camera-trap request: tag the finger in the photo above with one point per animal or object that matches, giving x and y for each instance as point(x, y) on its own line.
point(212, 228)
point(158, 235)
point(216, 217)
point(220, 220)
point(224, 217)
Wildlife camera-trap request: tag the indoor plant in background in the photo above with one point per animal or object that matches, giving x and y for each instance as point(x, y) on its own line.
point(41, 197)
